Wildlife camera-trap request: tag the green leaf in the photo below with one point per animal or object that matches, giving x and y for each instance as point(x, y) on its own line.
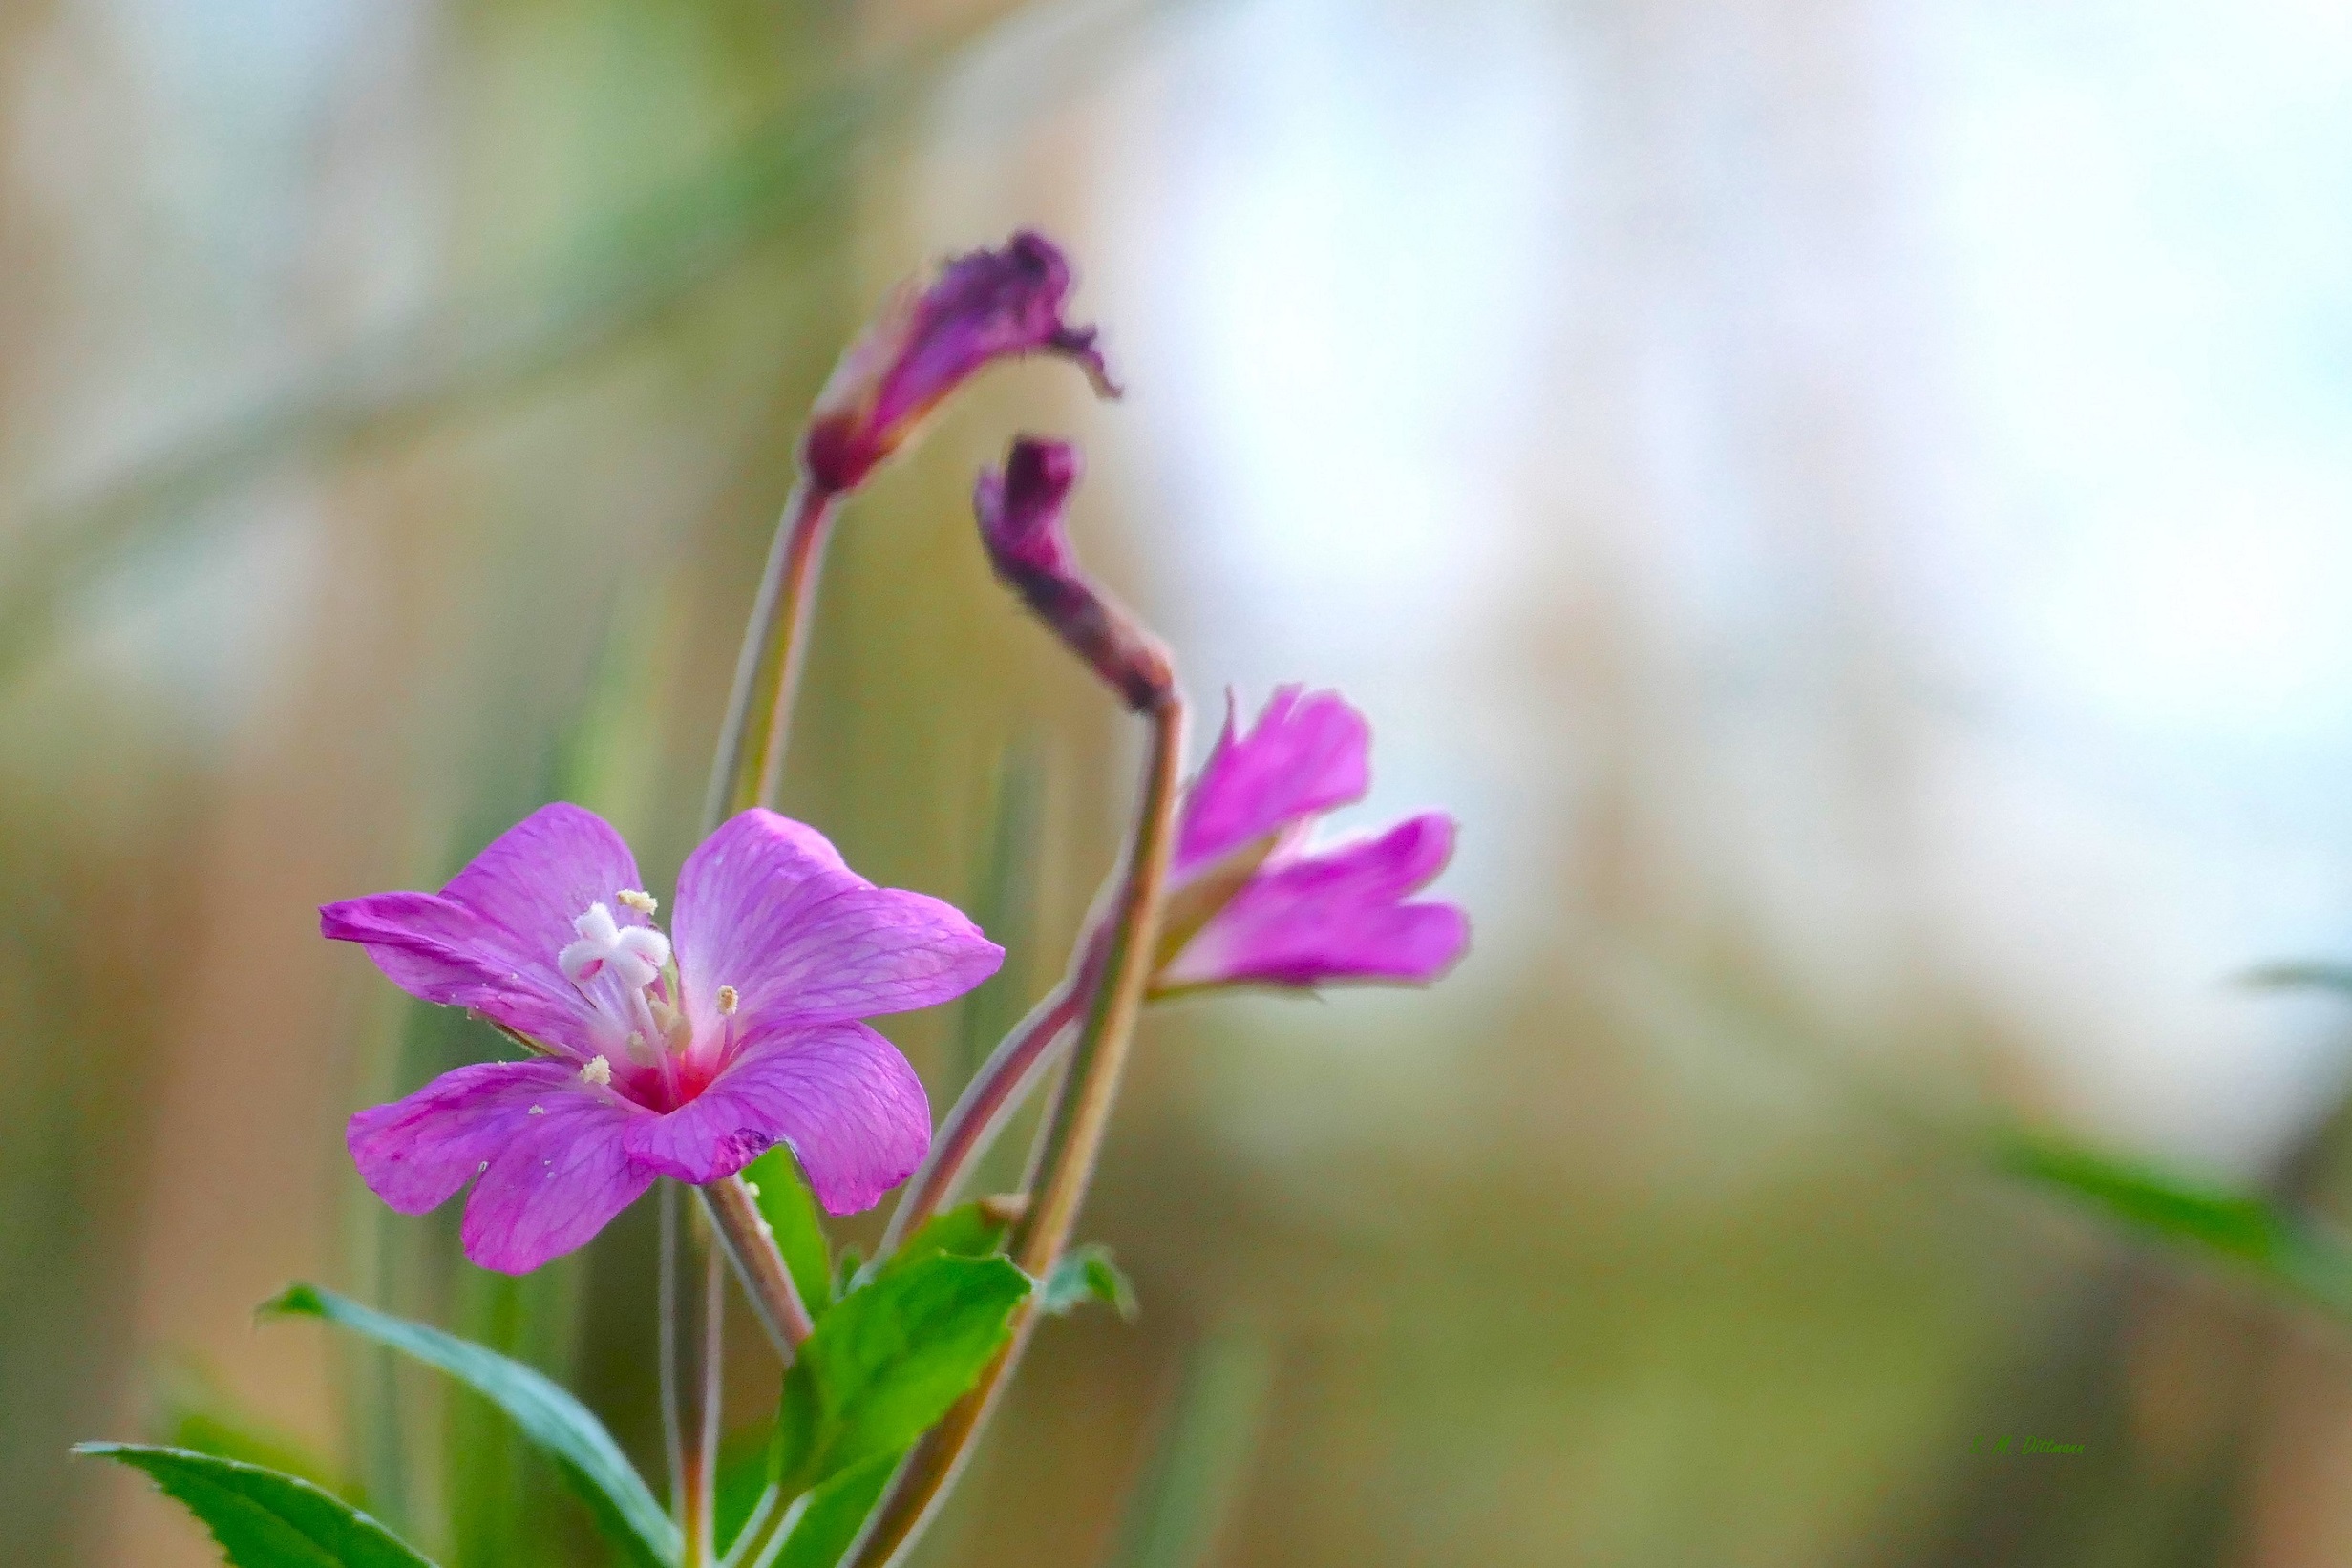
point(261, 1519)
point(1087, 1274)
point(193, 1411)
point(827, 1520)
point(791, 1211)
point(968, 1230)
point(847, 1270)
point(889, 1360)
point(2243, 1228)
point(567, 1430)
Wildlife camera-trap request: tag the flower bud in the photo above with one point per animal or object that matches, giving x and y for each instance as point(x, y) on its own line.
point(984, 307)
point(1020, 511)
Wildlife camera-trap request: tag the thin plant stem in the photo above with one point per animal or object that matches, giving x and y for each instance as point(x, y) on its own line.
point(673, 1427)
point(703, 1547)
point(1070, 1145)
point(750, 763)
point(972, 1124)
point(751, 1247)
point(770, 1495)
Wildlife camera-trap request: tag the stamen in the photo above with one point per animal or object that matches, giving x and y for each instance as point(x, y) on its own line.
point(598, 1072)
point(645, 904)
point(729, 1001)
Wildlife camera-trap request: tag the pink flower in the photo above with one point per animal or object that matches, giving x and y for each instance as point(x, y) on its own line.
point(684, 1060)
point(1020, 511)
point(1252, 901)
point(984, 307)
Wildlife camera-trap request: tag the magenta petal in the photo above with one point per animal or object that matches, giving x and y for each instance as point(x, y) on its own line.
point(840, 1095)
point(489, 939)
point(765, 906)
point(984, 307)
point(1304, 755)
point(1334, 915)
point(557, 1182)
point(546, 1145)
point(433, 948)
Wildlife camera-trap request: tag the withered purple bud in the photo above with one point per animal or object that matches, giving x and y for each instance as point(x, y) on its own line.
point(984, 307)
point(1020, 513)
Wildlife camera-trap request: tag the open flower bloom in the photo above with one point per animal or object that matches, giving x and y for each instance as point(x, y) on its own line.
point(1252, 900)
point(683, 1055)
point(984, 307)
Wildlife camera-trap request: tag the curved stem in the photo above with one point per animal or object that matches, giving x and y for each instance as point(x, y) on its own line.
point(972, 1124)
point(1071, 1143)
point(750, 762)
point(751, 1247)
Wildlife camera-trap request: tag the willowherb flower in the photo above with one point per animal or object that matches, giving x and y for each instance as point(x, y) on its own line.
point(1020, 513)
point(1253, 900)
point(984, 307)
point(684, 1055)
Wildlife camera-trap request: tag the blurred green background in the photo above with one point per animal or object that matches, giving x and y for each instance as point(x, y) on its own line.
point(1847, 500)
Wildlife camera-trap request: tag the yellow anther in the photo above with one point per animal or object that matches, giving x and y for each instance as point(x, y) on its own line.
point(598, 1072)
point(645, 904)
point(729, 1001)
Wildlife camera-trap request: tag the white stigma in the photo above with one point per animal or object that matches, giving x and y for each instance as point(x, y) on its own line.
point(598, 1072)
point(635, 953)
point(645, 904)
point(729, 1001)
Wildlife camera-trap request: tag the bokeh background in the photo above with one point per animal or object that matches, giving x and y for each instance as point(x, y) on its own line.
point(1846, 498)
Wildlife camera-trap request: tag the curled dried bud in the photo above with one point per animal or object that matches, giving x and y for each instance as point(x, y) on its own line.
point(984, 307)
point(1020, 513)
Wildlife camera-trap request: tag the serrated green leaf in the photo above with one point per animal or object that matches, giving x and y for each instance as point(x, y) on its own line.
point(828, 1520)
point(1087, 1274)
point(2242, 1228)
point(968, 1230)
point(889, 1360)
point(193, 1411)
point(263, 1519)
point(791, 1211)
point(570, 1435)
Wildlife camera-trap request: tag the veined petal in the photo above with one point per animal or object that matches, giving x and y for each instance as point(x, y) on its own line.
point(437, 949)
point(1306, 755)
point(511, 1123)
point(841, 1095)
point(766, 907)
point(556, 1183)
point(489, 940)
point(1337, 914)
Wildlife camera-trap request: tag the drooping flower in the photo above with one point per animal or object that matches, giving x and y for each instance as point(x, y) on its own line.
point(1253, 900)
point(684, 1055)
point(984, 307)
point(1020, 511)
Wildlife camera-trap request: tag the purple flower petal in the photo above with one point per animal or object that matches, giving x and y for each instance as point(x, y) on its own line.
point(984, 307)
point(489, 939)
point(1336, 914)
point(840, 1095)
point(546, 1145)
point(1304, 756)
point(766, 907)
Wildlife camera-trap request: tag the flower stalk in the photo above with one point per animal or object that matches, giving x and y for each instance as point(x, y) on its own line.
point(750, 765)
point(751, 1247)
point(1072, 1142)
